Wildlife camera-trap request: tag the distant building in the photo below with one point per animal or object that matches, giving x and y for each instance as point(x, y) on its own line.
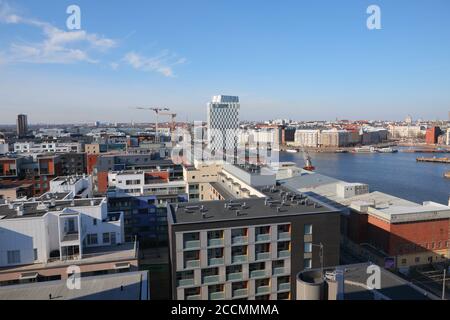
point(307, 138)
point(432, 135)
point(22, 125)
point(412, 132)
point(223, 125)
point(47, 147)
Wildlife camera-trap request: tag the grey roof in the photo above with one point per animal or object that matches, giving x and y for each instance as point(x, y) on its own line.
point(222, 191)
point(106, 287)
point(250, 208)
point(40, 208)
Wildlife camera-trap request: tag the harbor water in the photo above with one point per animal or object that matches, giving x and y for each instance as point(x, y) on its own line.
point(398, 174)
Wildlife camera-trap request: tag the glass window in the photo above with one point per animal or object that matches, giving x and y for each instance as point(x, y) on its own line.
point(13, 256)
point(92, 239)
point(35, 252)
point(106, 238)
point(307, 263)
point(308, 229)
point(308, 247)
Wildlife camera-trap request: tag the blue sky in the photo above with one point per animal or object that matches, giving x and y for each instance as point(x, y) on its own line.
point(292, 59)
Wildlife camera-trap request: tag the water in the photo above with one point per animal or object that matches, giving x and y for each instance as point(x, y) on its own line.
point(398, 174)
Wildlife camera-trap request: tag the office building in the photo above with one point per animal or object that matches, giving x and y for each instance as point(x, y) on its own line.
point(223, 125)
point(22, 125)
point(249, 248)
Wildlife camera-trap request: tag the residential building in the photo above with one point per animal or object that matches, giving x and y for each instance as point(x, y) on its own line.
point(249, 248)
point(79, 186)
point(307, 138)
point(47, 147)
point(432, 135)
point(40, 239)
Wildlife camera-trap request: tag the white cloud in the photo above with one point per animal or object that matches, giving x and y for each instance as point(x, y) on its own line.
point(162, 63)
point(57, 46)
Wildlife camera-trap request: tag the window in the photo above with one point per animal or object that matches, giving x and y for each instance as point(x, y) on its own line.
point(308, 247)
point(94, 221)
point(35, 252)
point(14, 257)
point(307, 263)
point(417, 259)
point(403, 261)
point(106, 238)
point(92, 239)
point(308, 229)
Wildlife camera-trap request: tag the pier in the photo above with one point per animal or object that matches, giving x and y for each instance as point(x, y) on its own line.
point(435, 160)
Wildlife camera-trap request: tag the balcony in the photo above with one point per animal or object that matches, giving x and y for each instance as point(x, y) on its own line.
point(215, 243)
point(263, 290)
point(193, 244)
point(217, 296)
point(279, 271)
point(262, 237)
point(69, 237)
point(284, 254)
point(196, 297)
point(240, 293)
point(258, 274)
point(185, 282)
point(215, 261)
point(239, 259)
point(193, 264)
point(211, 279)
point(284, 287)
point(239, 240)
point(284, 236)
point(235, 276)
point(263, 256)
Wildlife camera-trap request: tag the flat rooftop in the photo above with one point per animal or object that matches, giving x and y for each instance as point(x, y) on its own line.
point(53, 196)
point(278, 202)
point(392, 287)
point(122, 286)
point(34, 209)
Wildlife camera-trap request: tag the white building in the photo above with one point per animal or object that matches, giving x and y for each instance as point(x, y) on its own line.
point(223, 123)
point(307, 138)
point(406, 131)
point(139, 183)
point(78, 186)
point(51, 147)
point(4, 147)
point(40, 232)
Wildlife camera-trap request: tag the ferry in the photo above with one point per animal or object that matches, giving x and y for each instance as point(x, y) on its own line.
point(365, 150)
point(388, 150)
point(292, 150)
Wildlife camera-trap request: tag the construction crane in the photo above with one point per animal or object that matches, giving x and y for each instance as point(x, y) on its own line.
point(158, 112)
point(172, 116)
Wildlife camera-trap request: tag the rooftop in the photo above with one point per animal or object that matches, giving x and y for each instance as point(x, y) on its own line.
point(33, 209)
point(279, 202)
point(122, 286)
point(392, 287)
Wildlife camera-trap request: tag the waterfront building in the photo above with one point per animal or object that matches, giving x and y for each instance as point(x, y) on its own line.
point(432, 135)
point(249, 248)
point(307, 138)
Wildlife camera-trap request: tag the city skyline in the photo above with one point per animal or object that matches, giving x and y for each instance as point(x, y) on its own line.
point(312, 62)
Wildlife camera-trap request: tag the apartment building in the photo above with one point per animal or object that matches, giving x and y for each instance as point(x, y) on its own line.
point(47, 147)
point(249, 248)
point(79, 186)
point(307, 138)
point(40, 239)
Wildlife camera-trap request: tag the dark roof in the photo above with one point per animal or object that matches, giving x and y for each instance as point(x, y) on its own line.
point(251, 208)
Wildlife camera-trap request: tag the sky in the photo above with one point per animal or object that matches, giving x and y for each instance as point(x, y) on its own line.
point(291, 59)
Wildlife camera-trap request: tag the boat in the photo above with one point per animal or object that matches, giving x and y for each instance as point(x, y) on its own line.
point(341, 151)
point(447, 175)
point(292, 150)
point(364, 150)
point(387, 150)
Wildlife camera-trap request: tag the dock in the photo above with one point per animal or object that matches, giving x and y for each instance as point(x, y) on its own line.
point(435, 160)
